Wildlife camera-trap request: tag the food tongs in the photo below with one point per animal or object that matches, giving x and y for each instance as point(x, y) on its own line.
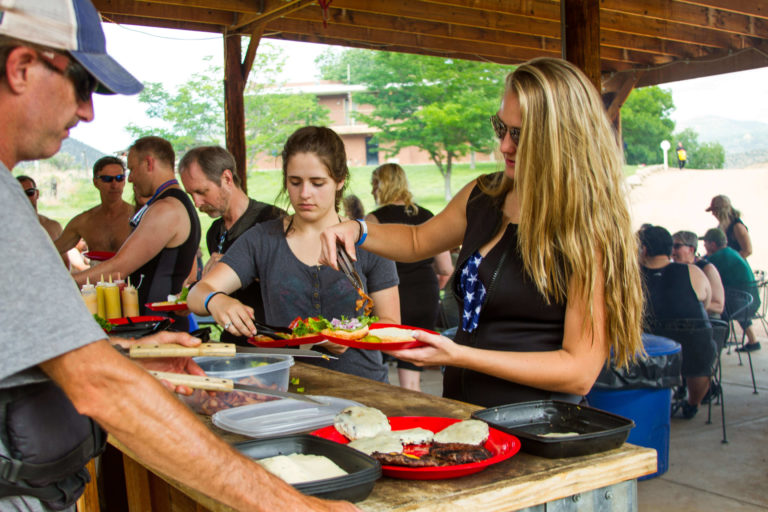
point(347, 267)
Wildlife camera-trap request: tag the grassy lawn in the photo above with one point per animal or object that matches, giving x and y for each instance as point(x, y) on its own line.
point(76, 192)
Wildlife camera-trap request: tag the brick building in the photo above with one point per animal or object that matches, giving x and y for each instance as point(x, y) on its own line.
point(357, 136)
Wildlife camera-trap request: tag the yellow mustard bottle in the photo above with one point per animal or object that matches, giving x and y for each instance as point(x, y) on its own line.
point(112, 300)
point(101, 305)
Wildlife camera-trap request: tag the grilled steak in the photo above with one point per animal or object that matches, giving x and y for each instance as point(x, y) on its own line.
point(400, 459)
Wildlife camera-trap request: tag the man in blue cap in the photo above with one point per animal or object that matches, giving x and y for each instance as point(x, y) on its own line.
point(60, 378)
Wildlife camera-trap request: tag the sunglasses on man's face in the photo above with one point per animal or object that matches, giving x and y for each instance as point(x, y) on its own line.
point(501, 129)
point(83, 81)
point(108, 179)
point(30, 191)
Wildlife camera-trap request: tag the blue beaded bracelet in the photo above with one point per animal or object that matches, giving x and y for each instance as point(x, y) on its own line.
point(208, 299)
point(363, 234)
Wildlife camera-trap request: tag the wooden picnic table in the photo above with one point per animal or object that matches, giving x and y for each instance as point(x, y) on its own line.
point(517, 483)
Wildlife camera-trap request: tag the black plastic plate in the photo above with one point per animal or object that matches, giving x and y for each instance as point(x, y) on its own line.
point(363, 471)
point(596, 430)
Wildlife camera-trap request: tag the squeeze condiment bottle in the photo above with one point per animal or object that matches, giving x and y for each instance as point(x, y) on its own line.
point(112, 300)
point(90, 298)
point(120, 282)
point(101, 305)
point(130, 300)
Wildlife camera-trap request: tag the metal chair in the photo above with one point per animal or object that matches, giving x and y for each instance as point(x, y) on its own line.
point(720, 333)
point(738, 309)
point(695, 338)
point(762, 287)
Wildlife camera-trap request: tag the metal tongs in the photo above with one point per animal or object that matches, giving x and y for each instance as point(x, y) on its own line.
point(347, 267)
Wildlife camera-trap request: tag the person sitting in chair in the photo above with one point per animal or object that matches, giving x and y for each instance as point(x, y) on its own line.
point(678, 292)
point(684, 245)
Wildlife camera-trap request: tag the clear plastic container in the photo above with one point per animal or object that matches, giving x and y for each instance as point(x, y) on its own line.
point(281, 417)
point(269, 372)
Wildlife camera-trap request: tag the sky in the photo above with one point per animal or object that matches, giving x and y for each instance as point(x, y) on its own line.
point(172, 56)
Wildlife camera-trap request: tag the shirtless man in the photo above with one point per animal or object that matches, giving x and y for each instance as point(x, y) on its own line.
point(160, 252)
point(52, 227)
point(106, 226)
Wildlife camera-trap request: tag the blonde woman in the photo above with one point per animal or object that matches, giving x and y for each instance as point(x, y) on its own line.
point(730, 222)
point(547, 276)
point(420, 281)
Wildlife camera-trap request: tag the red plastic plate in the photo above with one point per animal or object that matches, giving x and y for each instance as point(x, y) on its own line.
point(156, 306)
point(136, 320)
point(500, 444)
point(98, 255)
point(383, 346)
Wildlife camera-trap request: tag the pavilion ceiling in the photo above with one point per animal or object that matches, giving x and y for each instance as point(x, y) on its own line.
point(657, 40)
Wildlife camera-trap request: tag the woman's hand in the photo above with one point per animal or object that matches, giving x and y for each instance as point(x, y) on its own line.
point(348, 233)
point(440, 352)
point(234, 316)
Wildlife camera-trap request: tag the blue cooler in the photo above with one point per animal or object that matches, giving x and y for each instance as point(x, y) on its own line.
point(648, 407)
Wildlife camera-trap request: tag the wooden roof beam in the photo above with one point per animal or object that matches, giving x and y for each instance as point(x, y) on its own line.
point(689, 14)
point(754, 8)
point(164, 12)
point(158, 23)
point(279, 11)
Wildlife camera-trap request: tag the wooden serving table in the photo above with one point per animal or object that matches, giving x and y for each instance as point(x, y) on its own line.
point(517, 483)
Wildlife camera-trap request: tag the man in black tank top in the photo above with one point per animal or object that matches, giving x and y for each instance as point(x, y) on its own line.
point(159, 254)
point(677, 292)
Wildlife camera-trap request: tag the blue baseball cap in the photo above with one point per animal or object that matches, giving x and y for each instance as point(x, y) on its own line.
point(73, 26)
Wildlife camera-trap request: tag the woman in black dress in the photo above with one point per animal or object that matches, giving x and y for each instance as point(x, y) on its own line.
point(420, 281)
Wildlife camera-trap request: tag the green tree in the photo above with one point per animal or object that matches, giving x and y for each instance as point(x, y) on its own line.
point(193, 115)
point(707, 155)
point(645, 122)
point(438, 105)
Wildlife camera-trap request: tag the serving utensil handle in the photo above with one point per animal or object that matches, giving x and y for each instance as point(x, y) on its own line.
point(145, 350)
point(195, 381)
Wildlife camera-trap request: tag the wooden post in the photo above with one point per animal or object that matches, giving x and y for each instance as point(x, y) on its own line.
point(234, 108)
point(580, 36)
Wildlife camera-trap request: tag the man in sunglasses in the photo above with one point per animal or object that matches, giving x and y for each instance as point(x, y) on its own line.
point(105, 226)
point(52, 227)
point(61, 381)
point(684, 245)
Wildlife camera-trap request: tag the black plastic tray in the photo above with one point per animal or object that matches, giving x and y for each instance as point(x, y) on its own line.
point(355, 486)
point(597, 430)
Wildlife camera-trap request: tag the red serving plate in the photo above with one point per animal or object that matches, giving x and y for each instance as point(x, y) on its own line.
point(136, 320)
point(155, 306)
point(500, 444)
point(400, 345)
point(98, 255)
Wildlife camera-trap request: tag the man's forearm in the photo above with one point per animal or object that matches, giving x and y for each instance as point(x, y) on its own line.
point(164, 434)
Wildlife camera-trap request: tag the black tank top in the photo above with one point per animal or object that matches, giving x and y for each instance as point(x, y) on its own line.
point(165, 273)
point(669, 295)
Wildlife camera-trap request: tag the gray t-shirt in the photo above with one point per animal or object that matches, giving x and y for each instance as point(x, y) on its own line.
point(41, 312)
point(291, 288)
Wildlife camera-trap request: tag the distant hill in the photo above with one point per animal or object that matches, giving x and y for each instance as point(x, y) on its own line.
point(745, 142)
point(73, 155)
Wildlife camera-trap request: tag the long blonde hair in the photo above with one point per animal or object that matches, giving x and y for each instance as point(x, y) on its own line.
point(573, 210)
point(393, 187)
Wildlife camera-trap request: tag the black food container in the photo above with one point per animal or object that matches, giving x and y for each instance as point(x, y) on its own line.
point(594, 430)
point(363, 471)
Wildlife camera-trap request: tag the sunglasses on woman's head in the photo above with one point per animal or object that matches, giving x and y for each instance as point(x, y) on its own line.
point(501, 129)
point(108, 179)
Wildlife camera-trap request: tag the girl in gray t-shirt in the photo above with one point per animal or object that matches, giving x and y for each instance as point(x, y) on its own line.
point(283, 255)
